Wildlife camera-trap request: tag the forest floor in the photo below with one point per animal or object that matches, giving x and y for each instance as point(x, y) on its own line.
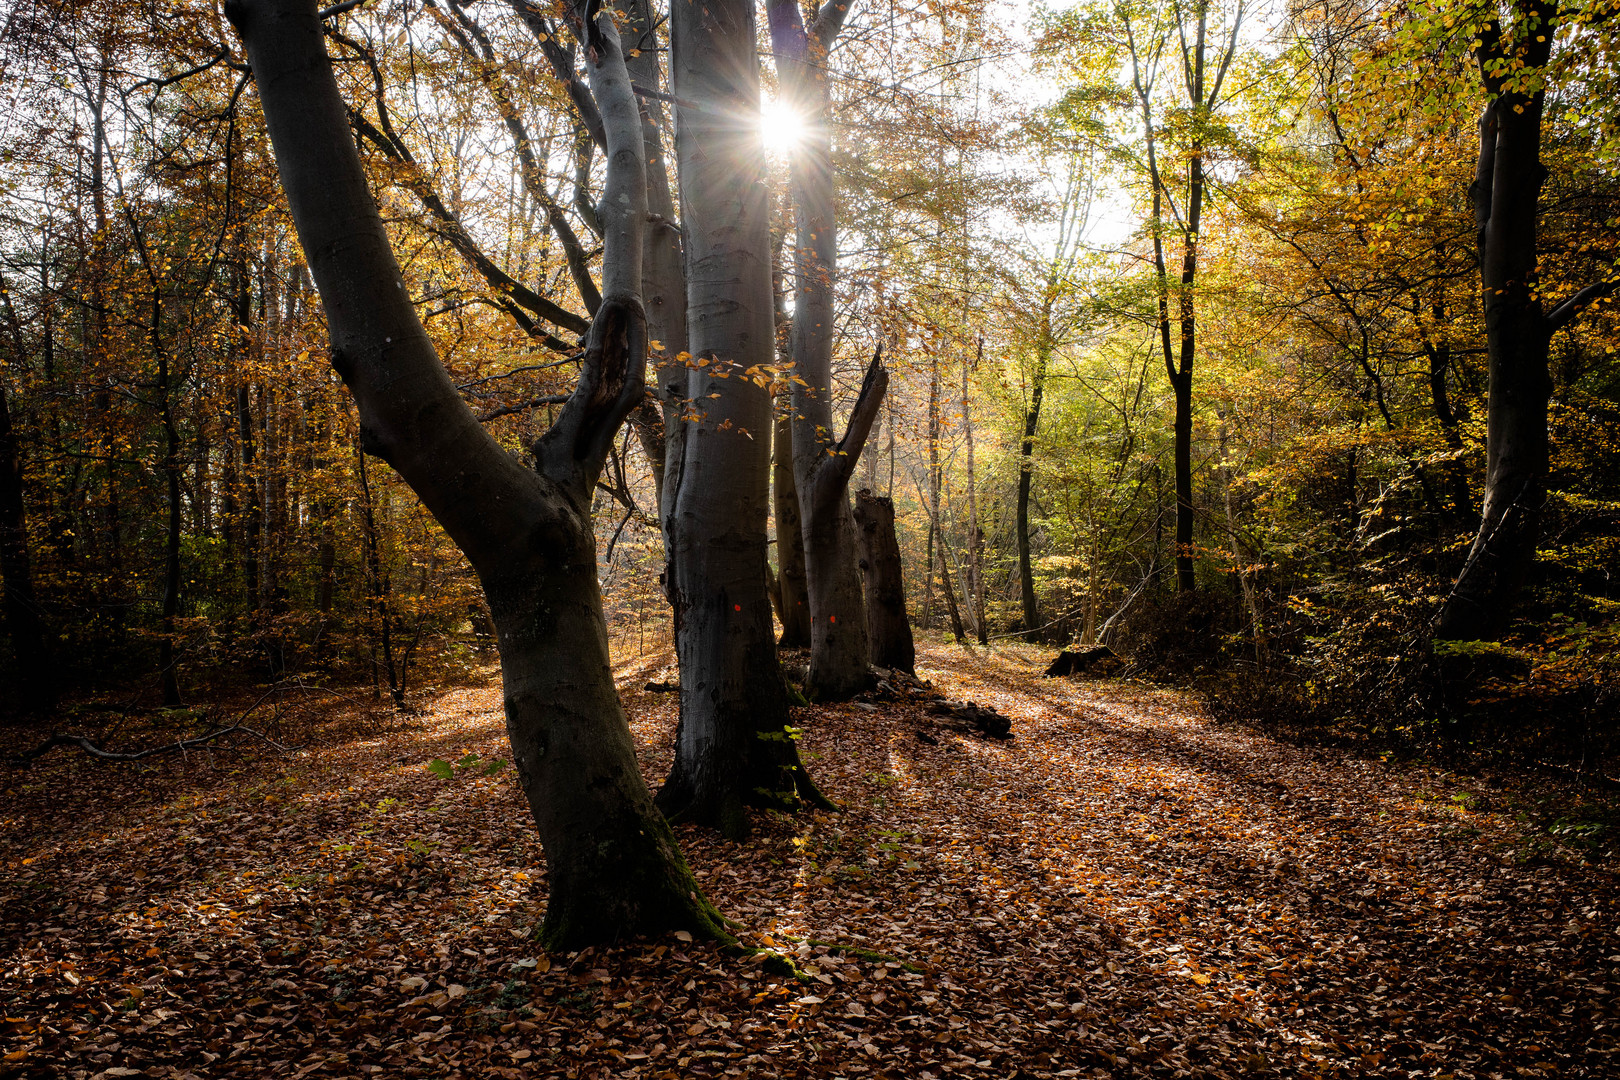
point(1123, 889)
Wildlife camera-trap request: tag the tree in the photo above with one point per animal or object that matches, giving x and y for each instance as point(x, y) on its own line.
point(1513, 56)
point(732, 747)
point(822, 465)
point(1203, 82)
point(1179, 129)
point(614, 867)
point(1051, 326)
point(887, 627)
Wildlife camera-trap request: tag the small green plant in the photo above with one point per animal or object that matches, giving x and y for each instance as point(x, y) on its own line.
point(445, 770)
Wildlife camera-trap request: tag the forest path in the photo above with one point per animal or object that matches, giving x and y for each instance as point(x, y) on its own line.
point(1123, 889)
point(1325, 910)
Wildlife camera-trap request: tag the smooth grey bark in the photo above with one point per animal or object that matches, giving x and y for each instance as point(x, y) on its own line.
point(788, 590)
point(663, 270)
point(822, 465)
point(1518, 331)
point(732, 748)
point(886, 625)
point(613, 865)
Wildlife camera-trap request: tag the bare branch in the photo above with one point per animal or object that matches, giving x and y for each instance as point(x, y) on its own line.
point(522, 406)
point(338, 9)
point(848, 451)
point(83, 742)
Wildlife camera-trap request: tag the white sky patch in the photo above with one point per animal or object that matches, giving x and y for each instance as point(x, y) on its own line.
point(780, 126)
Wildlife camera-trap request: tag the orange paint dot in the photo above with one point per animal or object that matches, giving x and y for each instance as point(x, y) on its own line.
point(832, 618)
point(736, 607)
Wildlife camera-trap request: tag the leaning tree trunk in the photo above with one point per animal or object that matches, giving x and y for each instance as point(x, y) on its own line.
point(613, 865)
point(822, 465)
point(732, 748)
point(886, 625)
point(1506, 190)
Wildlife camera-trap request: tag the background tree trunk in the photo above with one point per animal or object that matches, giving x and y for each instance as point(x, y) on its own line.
point(1026, 476)
point(731, 749)
point(822, 465)
point(887, 627)
point(793, 607)
point(973, 588)
point(37, 682)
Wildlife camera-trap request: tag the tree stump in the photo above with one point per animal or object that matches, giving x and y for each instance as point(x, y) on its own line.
point(1097, 660)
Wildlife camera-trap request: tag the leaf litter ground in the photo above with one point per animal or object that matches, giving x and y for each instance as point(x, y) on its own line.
point(1123, 889)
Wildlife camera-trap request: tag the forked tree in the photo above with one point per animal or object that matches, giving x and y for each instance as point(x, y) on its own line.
point(613, 864)
point(822, 464)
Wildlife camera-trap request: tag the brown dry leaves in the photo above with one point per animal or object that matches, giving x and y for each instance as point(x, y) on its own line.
point(1121, 890)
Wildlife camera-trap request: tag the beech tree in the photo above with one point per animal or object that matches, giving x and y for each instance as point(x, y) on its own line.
point(822, 465)
point(1513, 53)
point(613, 864)
point(732, 747)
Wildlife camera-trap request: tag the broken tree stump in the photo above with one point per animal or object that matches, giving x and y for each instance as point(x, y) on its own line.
point(1098, 659)
point(971, 716)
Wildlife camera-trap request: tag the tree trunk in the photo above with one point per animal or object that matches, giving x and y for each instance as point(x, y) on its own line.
point(930, 497)
point(613, 865)
point(1506, 192)
point(381, 612)
point(252, 506)
point(974, 587)
point(793, 601)
point(958, 634)
point(37, 687)
point(732, 748)
point(1439, 357)
point(663, 273)
point(167, 661)
point(886, 625)
point(822, 466)
point(1026, 475)
point(1185, 579)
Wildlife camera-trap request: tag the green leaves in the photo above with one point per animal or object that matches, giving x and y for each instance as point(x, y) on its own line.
point(445, 770)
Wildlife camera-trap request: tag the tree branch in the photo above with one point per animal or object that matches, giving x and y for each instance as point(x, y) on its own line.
point(522, 406)
point(847, 454)
point(612, 378)
point(1565, 313)
point(83, 742)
